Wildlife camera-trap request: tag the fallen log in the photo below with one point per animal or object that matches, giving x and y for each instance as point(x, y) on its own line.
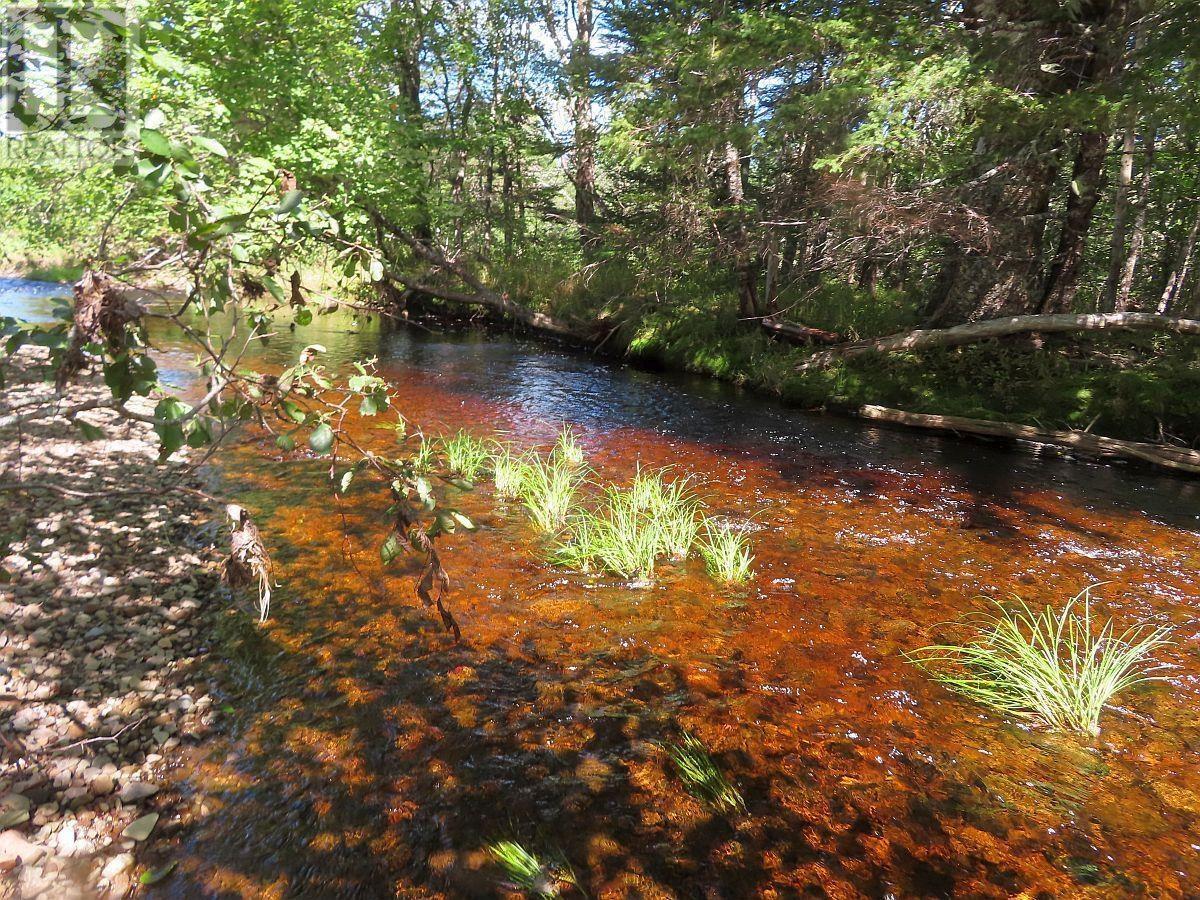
point(477, 294)
point(973, 332)
point(1180, 459)
point(799, 334)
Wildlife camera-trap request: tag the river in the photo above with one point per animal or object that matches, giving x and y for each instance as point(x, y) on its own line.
point(367, 756)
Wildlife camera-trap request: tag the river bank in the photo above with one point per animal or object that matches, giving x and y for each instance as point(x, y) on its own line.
point(110, 598)
point(1142, 388)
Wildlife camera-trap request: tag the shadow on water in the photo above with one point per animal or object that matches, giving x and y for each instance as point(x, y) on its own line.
point(393, 784)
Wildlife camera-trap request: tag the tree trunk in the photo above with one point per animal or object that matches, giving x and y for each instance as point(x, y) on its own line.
point(746, 266)
point(1181, 459)
point(1086, 176)
point(1137, 238)
point(1183, 267)
point(585, 132)
point(1116, 258)
point(458, 180)
point(1050, 51)
point(975, 332)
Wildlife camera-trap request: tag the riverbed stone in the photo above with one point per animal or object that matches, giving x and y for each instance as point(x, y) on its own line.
point(96, 591)
point(135, 791)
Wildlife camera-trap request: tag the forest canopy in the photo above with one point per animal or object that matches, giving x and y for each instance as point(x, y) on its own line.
point(661, 177)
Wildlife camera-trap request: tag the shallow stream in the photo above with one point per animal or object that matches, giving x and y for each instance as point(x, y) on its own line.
point(367, 756)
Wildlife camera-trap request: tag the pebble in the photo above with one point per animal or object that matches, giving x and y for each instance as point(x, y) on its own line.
point(102, 603)
point(118, 864)
point(134, 791)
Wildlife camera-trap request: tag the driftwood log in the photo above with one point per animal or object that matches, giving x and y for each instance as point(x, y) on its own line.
point(973, 332)
point(799, 334)
point(1180, 459)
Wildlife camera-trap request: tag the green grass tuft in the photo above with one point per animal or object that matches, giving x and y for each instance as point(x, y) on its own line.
point(672, 505)
point(567, 447)
point(702, 777)
point(424, 458)
point(549, 492)
point(621, 536)
point(524, 871)
point(1053, 668)
point(631, 528)
point(466, 455)
point(510, 471)
point(726, 552)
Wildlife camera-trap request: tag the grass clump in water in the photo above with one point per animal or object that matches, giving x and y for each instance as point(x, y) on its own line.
point(632, 527)
point(510, 471)
point(672, 505)
point(702, 777)
point(726, 552)
point(1055, 668)
point(622, 536)
point(567, 447)
point(423, 460)
point(549, 491)
point(524, 871)
point(466, 455)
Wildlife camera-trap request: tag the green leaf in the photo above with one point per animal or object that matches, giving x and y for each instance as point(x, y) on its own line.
point(170, 439)
point(285, 442)
point(155, 143)
point(344, 481)
point(153, 876)
point(376, 270)
point(274, 287)
point(303, 316)
point(391, 548)
point(293, 411)
point(462, 520)
point(198, 432)
point(321, 440)
point(212, 146)
point(373, 404)
point(423, 488)
point(290, 201)
point(167, 61)
point(171, 409)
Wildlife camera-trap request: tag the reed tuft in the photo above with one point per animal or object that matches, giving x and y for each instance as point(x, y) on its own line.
point(1053, 668)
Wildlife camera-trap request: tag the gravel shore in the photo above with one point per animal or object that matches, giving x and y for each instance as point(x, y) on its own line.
point(108, 594)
